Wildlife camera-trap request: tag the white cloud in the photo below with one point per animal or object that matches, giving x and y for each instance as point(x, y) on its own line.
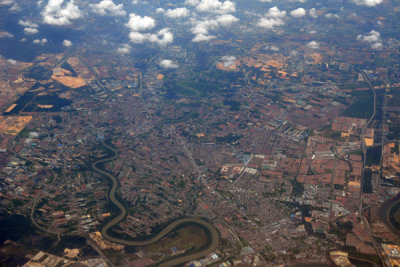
point(162, 37)
point(228, 61)
point(125, 49)
point(274, 12)
point(33, 134)
point(137, 37)
point(367, 2)
point(298, 13)
point(12, 61)
point(265, 1)
point(31, 30)
point(6, 2)
point(13, 5)
point(137, 23)
point(67, 43)
point(6, 35)
point(180, 12)
point(168, 64)
point(107, 7)
point(202, 38)
point(160, 10)
point(274, 17)
point(135, 2)
point(220, 17)
point(191, 2)
point(373, 37)
point(331, 16)
point(226, 19)
point(213, 6)
point(272, 48)
point(313, 13)
point(202, 28)
point(269, 23)
point(41, 42)
point(56, 12)
point(27, 23)
point(313, 45)
point(377, 46)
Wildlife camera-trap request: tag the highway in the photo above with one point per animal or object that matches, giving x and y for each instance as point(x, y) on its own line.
point(213, 233)
point(378, 248)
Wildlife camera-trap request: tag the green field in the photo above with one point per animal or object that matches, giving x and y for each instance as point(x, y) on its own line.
point(190, 88)
point(363, 107)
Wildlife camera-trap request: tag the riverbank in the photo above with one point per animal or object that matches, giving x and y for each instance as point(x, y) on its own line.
point(213, 235)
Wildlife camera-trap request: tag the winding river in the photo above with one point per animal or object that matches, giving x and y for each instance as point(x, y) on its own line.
point(213, 235)
point(388, 212)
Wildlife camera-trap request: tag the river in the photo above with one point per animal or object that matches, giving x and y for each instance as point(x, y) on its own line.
point(213, 235)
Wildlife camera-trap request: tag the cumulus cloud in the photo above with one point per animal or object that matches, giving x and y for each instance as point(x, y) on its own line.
point(373, 38)
point(228, 61)
point(162, 37)
point(202, 38)
point(107, 7)
point(30, 27)
point(331, 16)
point(273, 48)
point(298, 13)
point(13, 5)
point(213, 6)
point(168, 64)
point(160, 10)
point(137, 23)
point(40, 41)
point(269, 23)
point(56, 12)
point(265, 1)
point(313, 13)
point(313, 45)
point(12, 61)
point(274, 17)
point(6, 35)
point(367, 2)
point(27, 23)
point(67, 43)
point(125, 49)
point(202, 28)
point(31, 30)
point(226, 19)
point(6, 2)
point(274, 12)
point(180, 12)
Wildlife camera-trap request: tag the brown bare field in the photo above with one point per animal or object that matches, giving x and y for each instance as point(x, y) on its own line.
point(13, 124)
point(62, 76)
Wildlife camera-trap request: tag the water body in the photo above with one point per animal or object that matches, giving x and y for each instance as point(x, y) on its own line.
point(388, 214)
point(212, 233)
point(30, 100)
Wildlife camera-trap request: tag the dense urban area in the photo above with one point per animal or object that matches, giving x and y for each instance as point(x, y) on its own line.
point(200, 133)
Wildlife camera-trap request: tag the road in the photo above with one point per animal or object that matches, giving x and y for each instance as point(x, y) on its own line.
point(364, 147)
point(213, 233)
point(378, 248)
